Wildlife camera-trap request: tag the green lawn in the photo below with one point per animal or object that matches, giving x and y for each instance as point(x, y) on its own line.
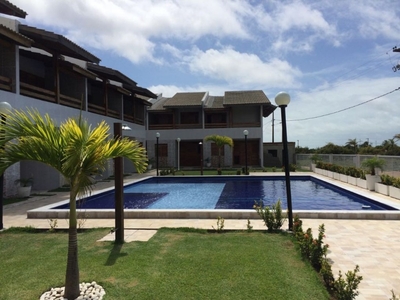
point(174, 264)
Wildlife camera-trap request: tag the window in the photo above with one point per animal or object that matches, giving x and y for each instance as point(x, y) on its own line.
point(190, 118)
point(216, 118)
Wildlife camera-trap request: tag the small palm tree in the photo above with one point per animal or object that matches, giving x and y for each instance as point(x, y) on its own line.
point(75, 150)
point(372, 163)
point(220, 141)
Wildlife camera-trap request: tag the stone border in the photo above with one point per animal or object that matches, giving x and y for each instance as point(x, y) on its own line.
point(46, 212)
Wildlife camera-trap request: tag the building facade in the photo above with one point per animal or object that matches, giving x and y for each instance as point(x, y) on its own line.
point(44, 70)
point(184, 120)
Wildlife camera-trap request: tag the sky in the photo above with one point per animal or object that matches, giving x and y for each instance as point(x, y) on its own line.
point(334, 58)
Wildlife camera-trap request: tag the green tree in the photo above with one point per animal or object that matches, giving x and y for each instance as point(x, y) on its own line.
point(332, 148)
point(352, 144)
point(220, 141)
point(75, 150)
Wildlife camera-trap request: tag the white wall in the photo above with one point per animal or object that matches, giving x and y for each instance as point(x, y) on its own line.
point(60, 113)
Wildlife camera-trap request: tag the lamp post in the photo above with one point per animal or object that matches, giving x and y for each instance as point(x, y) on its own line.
point(201, 157)
point(119, 187)
point(245, 132)
point(157, 136)
point(178, 140)
point(282, 99)
point(5, 108)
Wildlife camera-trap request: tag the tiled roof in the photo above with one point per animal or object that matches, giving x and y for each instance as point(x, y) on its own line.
point(10, 9)
point(110, 74)
point(158, 104)
point(116, 75)
point(14, 37)
point(186, 99)
point(57, 43)
point(245, 97)
point(215, 102)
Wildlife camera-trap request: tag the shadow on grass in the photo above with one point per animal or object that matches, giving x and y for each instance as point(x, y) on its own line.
point(115, 254)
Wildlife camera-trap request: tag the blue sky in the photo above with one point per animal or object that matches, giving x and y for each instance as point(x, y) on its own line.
point(328, 55)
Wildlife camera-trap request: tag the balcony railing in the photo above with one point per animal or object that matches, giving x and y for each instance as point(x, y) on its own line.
point(216, 125)
point(248, 124)
point(36, 92)
point(5, 83)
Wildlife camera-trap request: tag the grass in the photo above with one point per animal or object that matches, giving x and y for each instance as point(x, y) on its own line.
point(174, 264)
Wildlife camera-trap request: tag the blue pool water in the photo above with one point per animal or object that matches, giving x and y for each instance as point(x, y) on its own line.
point(308, 193)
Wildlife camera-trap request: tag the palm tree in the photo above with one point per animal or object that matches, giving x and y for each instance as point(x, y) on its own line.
point(75, 150)
point(220, 141)
point(352, 144)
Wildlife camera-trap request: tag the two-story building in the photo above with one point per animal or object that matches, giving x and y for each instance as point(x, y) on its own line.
point(184, 120)
point(46, 71)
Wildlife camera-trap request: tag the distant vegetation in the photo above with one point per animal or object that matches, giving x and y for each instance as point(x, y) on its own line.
point(388, 147)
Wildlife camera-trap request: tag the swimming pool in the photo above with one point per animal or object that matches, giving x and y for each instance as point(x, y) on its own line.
point(205, 193)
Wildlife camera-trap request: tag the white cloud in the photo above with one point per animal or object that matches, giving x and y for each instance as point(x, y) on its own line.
point(296, 26)
point(376, 120)
point(377, 18)
point(130, 28)
point(245, 69)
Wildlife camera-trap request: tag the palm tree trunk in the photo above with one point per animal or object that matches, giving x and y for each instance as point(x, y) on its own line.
point(72, 290)
point(219, 157)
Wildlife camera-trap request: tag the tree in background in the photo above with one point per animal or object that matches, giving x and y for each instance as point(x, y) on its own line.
point(352, 144)
point(220, 141)
point(75, 150)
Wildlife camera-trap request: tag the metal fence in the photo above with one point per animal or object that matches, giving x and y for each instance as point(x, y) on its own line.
point(392, 163)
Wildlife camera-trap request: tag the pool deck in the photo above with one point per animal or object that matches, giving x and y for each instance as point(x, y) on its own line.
point(372, 244)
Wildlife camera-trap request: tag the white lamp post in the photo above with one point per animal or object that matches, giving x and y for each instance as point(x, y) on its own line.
point(245, 132)
point(5, 108)
point(157, 137)
point(201, 157)
point(282, 99)
point(178, 140)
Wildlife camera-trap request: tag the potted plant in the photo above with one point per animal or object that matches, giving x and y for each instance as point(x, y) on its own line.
point(371, 164)
point(150, 163)
point(25, 186)
point(394, 190)
point(208, 162)
point(352, 174)
point(383, 186)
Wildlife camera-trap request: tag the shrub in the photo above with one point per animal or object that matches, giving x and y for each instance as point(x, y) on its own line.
point(346, 289)
point(396, 183)
point(220, 225)
point(387, 179)
point(327, 275)
point(238, 172)
point(315, 251)
point(318, 249)
point(272, 216)
point(249, 226)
